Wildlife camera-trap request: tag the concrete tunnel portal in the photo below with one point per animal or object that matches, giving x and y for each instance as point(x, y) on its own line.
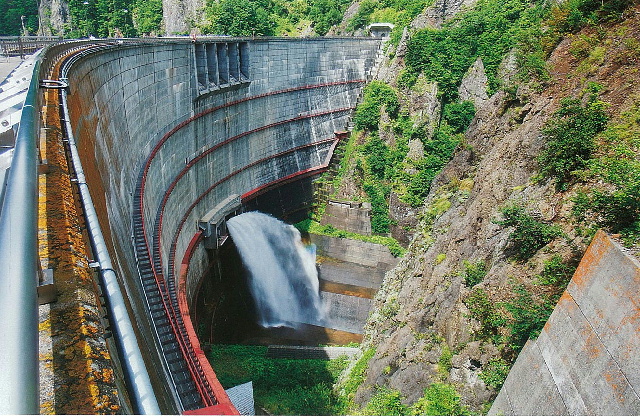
point(177, 136)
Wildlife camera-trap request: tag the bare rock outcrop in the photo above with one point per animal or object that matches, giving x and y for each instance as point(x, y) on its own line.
point(181, 16)
point(53, 16)
point(441, 11)
point(474, 85)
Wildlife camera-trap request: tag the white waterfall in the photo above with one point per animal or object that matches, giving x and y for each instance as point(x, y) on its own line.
point(283, 275)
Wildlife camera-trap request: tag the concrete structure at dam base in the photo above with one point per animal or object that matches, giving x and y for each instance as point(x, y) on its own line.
point(585, 360)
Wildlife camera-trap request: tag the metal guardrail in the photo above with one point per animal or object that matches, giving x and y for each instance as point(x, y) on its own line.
point(19, 381)
point(24, 45)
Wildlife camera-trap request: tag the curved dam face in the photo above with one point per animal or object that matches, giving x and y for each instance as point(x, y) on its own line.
point(174, 135)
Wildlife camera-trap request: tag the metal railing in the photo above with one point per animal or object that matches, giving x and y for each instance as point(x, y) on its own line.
point(19, 381)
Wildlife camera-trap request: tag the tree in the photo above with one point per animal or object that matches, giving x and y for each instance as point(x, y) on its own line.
point(243, 18)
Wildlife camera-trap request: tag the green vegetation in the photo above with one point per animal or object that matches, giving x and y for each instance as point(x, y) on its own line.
point(103, 18)
point(375, 95)
point(147, 16)
point(356, 376)
point(487, 314)
point(473, 273)
point(444, 363)
point(487, 31)
point(272, 17)
point(614, 202)
point(242, 17)
point(10, 13)
point(529, 235)
point(494, 373)
point(556, 272)
point(281, 386)
point(570, 138)
point(528, 316)
point(439, 399)
point(384, 402)
point(398, 12)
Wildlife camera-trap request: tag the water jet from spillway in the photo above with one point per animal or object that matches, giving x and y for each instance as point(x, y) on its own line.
point(283, 276)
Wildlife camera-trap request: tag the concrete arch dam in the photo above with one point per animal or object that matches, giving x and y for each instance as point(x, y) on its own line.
point(176, 135)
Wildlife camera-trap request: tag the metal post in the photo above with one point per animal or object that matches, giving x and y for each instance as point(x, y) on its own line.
point(19, 387)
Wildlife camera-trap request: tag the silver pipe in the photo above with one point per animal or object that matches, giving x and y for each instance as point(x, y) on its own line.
point(139, 383)
point(19, 378)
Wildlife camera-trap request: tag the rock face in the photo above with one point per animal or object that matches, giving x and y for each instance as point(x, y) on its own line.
point(53, 16)
point(421, 327)
point(180, 16)
point(474, 85)
point(441, 11)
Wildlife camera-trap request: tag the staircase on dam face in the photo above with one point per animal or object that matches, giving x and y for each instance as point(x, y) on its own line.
point(157, 301)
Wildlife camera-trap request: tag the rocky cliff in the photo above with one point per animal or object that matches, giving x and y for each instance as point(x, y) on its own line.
point(53, 16)
point(428, 325)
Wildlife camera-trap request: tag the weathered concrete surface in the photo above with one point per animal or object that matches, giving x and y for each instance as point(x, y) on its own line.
point(247, 112)
point(586, 360)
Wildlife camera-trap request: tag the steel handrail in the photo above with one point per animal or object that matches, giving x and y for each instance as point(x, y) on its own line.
point(19, 380)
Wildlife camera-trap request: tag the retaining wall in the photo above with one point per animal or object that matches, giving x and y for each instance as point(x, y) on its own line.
point(585, 360)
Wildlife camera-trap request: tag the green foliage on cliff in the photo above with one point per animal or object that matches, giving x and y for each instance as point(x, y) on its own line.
point(385, 401)
point(102, 18)
point(571, 138)
point(613, 199)
point(487, 31)
point(356, 375)
point(376, 95)
point(271, 17)
point(242, 17)
point(439, 399)
point(10, 17)
point(147, 16)
point(529, 235)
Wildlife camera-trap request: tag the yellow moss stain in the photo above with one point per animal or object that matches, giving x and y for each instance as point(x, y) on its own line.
point(83, 374)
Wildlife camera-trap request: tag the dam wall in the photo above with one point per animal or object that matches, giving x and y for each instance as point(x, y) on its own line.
point(585, 359)
point(184, 126)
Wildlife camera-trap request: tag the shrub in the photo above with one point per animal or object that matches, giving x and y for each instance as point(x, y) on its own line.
point(528, 316)
point(529, 235)
point(459, 115)
point(379, 208)
point(494, 373)
point(376, 95)
point(614, 203)
point(473, 273)
point(485, 312)
point(439, 399)
point(570, 138)
point(357, 374)
point(385, 401)
point(555, 272)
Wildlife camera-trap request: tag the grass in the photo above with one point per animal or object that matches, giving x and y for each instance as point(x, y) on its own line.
point(281, 386)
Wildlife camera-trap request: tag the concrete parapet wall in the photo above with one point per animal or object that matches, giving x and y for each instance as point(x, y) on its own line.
point(585, 360)
point(354, 251)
